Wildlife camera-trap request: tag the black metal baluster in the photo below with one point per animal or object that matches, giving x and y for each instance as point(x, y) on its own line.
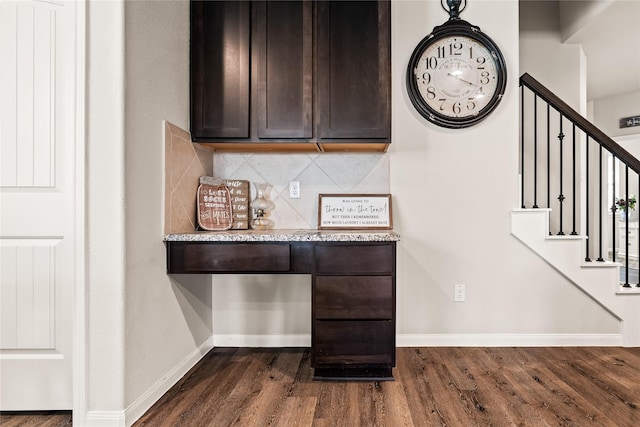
point(573, 230)
point(561, 196)
point(549, 158)
point(586, 258)
point(626, 227)
point(613, 212)
point(535, 151)
point(522, 147)
point(600, 207)
point(638, 239)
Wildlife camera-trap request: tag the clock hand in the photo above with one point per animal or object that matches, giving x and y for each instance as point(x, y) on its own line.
point(462, 80)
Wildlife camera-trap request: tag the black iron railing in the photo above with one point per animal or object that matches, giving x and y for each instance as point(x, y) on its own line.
point(563, 150)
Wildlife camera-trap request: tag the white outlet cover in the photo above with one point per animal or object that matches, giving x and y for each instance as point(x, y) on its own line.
point(294, 189)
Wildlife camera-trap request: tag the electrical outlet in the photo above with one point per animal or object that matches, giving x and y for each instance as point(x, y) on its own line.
point(294, 189)
point(459, 292)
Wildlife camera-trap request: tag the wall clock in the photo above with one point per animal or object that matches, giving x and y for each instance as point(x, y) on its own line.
point(456, 75)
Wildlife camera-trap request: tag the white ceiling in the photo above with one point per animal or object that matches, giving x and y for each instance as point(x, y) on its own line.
point(611, 43)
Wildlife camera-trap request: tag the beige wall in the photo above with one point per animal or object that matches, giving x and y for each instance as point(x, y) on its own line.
point(167, 318)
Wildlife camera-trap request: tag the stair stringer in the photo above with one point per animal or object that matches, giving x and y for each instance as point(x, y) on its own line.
point(599, 280)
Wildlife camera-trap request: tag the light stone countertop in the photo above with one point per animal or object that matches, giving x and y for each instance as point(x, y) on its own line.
point(286, 236)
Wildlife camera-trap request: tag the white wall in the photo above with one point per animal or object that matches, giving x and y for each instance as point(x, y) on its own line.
point(560, 67)
point(145, 329)
point(105, 209)
point(167, 319)
point(454, 191)
point(608, 111)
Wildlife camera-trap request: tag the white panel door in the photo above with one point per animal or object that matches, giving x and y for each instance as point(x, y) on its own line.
point(36, 204)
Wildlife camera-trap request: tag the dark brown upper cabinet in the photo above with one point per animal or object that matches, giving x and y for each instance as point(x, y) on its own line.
point(220, 49)
point(353, 69)
point(291, 75)
point(284, 39)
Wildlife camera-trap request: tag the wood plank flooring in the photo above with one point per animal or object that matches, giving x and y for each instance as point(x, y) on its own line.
point(571, 386)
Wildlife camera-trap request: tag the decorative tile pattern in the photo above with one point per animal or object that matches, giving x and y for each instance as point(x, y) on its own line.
point(184, 164)
point(326, 173)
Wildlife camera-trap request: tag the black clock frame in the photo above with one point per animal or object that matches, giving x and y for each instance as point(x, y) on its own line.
point(455, 27)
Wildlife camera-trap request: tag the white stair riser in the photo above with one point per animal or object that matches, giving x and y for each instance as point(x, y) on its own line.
point(566, 255)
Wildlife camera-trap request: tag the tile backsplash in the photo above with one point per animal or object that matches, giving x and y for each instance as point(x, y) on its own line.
point(318, 173)
point(184, 164)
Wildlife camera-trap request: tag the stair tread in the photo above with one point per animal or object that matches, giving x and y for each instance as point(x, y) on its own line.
point(600, 264)
point(567, 237)
point(633, 290)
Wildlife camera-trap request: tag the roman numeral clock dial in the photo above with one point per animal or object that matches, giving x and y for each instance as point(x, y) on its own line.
point(456, 75)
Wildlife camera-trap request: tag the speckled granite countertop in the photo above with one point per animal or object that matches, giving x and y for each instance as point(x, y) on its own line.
point(286, 236)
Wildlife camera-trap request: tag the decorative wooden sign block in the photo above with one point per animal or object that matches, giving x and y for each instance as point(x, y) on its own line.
point(214, 205)
point(239, 191)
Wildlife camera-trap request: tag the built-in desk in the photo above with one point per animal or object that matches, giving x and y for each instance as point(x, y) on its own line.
point(353, 287)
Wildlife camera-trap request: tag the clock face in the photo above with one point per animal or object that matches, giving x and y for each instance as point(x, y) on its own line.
point(456, 80)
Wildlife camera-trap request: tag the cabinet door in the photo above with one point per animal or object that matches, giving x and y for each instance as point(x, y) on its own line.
point(284, 69)
point(354, 67)
point(220, 39)
point(353, 297)
point(353, 342)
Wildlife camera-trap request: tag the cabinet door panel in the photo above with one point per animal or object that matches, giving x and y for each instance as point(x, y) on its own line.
point(353, 297)
point(220, 42)
point(347, 343)
point(284, 69)
point(354, 69)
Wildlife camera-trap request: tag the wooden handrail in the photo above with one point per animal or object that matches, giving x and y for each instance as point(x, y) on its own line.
point(585, 125)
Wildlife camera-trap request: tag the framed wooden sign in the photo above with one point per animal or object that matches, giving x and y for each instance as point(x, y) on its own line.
point(354, 211)
point(214, 206)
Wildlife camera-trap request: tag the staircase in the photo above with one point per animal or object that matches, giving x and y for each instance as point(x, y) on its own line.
point(564, 210)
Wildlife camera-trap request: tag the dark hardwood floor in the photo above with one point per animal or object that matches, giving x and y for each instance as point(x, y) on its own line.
point(569, 386)
point(33, 419)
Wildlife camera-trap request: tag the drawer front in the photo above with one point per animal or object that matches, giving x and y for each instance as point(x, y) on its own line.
point(353, 343)
point(353, 297)
point(354, 259)
point(236, 258)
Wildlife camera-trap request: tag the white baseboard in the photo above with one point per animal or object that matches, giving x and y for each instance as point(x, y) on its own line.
point(436, 340)
point(508, 340)
point(155, 392)
point(104, 419)
point(298, 340)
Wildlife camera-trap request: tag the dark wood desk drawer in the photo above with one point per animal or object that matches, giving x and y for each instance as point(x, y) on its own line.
point(353, 297)
point(234, 258)
point(352, 342)
point(354, 259)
